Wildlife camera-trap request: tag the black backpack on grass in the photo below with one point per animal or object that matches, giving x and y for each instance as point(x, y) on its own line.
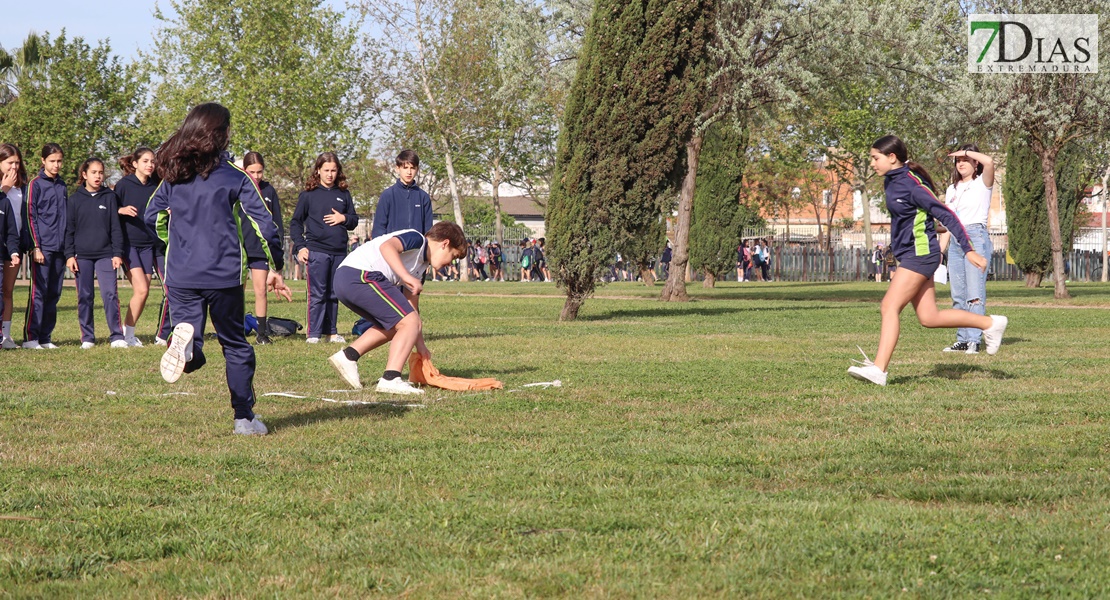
point(283, 327)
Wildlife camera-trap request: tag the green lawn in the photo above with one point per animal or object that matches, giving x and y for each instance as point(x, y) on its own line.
point(710, 449)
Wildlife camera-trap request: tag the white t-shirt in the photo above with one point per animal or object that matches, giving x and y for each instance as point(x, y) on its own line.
point(970, 200)
point(368, 257)
point(15, 198)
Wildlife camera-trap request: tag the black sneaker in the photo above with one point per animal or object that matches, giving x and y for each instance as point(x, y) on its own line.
point(961, 347)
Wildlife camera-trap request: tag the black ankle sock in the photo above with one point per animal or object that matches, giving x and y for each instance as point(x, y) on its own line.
point(350, 353)
point(391, 375)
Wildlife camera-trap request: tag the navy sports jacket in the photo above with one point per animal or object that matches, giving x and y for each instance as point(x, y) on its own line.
point(307, 228)
point(132, 192)
point(913, 206)
point(251, 242)
point(92, 225)
point(9, 233)
point(199, 221)
point(402, 207)
point(46, 212)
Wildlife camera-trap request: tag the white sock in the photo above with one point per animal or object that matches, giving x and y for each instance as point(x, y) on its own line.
point(7, 329)
point(128, 331)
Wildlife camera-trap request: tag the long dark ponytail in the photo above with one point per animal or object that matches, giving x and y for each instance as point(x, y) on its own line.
point(891, 144)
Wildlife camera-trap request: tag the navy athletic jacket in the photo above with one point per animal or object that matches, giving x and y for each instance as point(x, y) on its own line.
point(46, 212)
point(92, 225)
point(402, 207)
point(307, 228)
point(913, 206)
point(132, 192)
point(198, 219)
point(9, 233)
point(251, 242)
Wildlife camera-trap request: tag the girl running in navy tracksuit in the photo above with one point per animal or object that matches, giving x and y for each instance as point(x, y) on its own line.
point(325, 213)
point(46, 221)
point(134, 191)
point(13, 203)
point(194, 211)
point(94, 245)
point(254, 165)
point(913, 207)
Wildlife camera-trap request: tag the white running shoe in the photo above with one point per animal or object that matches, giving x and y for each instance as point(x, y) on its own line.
point(336, 339)
point(179, 352)
point(312, 340)
point(49, 346)
point(865, 370)
point(132, 342)
point(87, 345)
point(397, 386)
point(347, 368)
point(993, 335)
point(120, 344)
point(8, 344)
point(253, 426)
point(160, 342)
point(32, 345)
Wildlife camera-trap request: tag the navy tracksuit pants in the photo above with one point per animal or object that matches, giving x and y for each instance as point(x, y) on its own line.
point(42, 302)
point(323, 304)
point(165, 324)
point(103, 270)
point(225, 306)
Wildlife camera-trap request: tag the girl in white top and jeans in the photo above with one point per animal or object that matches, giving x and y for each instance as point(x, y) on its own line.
point(969, 196)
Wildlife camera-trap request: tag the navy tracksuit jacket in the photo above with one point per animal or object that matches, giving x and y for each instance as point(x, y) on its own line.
point(913, 207)
point(93, 237)
point(251, 242)
point(402, 207)
point(327, 245)
point(46, 226)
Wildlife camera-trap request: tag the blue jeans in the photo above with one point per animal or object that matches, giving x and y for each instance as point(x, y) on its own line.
point(969, 284)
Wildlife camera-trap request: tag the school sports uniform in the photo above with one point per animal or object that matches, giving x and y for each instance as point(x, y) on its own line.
point(913, 208)
point(402, 207)
point(252, 244)
point(46, 224)
point(367, 284)
point(94, 236)
point(142, 249)
point(199, 221)
point(9, 230)
point(327, 245)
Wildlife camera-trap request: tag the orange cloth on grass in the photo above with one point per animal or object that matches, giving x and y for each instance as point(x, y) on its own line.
point(423, 371)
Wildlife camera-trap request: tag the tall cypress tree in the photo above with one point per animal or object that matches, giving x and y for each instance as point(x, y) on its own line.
point(718, 217)
point(641, 80)
point(1030, 243)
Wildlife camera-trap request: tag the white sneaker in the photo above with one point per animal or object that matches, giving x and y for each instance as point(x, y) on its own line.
point(397, 386)
point(120, 344)
point(87, 345)
point(347, 368)
point(49, 346)
point(160, 342)
point(865, 370)
point(32, 345)
point(132, 342)
point(8, 344)
point(253, 426)
point(993, 335)
point(179, 352)
point(312, 340)
point(337, 339)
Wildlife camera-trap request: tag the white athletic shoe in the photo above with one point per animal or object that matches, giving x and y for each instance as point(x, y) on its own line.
point(312, 340)
point(120, 344)
point(8, 344)
point(337, 339)
point(132, 342)
point(32, 345)
point(865, 370)
point(160, 342)
point(993, 335)
point(397, 386)
point(253, 426)
point(179, 352)
point(347, 368)
point(87, 345)
point(49, 346)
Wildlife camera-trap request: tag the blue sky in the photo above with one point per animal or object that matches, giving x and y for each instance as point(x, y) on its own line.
point(128, 24)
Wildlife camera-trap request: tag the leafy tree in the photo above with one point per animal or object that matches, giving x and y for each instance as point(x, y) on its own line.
point(1028, 230)
point(23, 59)
point(78, 96)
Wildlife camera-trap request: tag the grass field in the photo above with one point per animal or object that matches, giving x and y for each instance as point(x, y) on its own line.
point(710, 449)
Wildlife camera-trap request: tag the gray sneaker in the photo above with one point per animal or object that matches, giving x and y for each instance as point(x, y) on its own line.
point(253, 426)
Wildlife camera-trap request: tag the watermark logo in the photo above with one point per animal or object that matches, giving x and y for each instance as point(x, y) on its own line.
point(1032, 44)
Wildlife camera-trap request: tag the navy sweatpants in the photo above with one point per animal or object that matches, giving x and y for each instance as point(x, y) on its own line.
point(165, 324)
point(225, 306)
point(323, 304)
point(103, 270)
point(42, 302)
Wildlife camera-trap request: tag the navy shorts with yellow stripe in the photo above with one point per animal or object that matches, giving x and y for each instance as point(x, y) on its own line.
point(373, 297)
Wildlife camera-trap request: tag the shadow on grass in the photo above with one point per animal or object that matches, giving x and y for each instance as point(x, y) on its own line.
point(684, 309)
point(959, 371)
point(486, 372)
point(455, 336)
point(379, 412)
